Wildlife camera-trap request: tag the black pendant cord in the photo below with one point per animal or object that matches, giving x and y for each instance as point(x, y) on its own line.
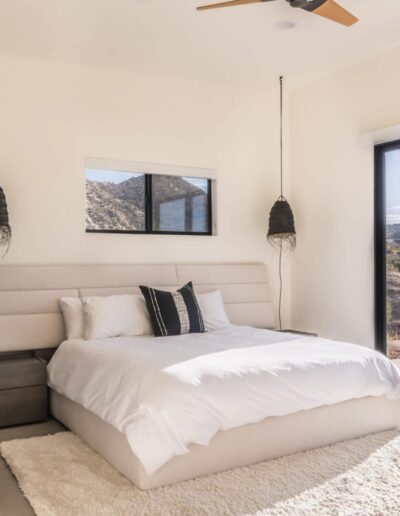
point(281, 133)
point(280, 247)
point(280, 287)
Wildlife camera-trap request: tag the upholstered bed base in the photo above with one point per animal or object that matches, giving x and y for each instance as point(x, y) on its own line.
point(249, 444)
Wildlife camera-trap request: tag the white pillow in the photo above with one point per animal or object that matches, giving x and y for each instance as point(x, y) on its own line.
point(115, 316)
point(72, 311)
point(213, 310)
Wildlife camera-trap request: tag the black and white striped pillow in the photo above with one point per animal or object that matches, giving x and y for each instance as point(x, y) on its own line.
point(173, 313)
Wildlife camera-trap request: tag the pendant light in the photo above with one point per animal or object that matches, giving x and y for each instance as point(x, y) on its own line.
point(281, 230)
point(281, 221)
point(5, 229)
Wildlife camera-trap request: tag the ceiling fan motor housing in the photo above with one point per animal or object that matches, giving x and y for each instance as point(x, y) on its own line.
point(308, 5)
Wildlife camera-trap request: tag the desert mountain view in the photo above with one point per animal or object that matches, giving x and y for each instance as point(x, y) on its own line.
point(121, 206)
point(393, 290)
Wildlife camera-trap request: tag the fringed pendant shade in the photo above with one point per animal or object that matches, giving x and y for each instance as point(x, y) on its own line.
point(5, 229)
point(281, 224)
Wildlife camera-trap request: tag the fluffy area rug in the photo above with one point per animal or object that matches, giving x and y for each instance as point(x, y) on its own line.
point(61, 476)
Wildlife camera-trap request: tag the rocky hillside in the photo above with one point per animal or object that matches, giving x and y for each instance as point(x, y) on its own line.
point(121, 206)
point(107, 212)
point(393, 232)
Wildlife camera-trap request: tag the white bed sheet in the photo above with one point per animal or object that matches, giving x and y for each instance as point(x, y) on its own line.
point(165, 393)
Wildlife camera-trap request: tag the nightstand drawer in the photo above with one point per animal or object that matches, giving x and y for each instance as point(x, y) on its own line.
point(21, 372)
point(23, 405)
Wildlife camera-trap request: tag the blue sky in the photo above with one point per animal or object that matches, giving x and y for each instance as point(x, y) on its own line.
point(392, 162)
point(116, 177)
point(108, 176)
point(197, 181)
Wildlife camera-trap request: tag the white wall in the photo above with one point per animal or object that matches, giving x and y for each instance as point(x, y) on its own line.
point(53, 115)
point(332, 192)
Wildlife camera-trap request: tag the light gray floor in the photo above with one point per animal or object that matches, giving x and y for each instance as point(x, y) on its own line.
point(12, 501)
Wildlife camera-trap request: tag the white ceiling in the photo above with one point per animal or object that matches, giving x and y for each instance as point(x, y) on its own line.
point(170, 37)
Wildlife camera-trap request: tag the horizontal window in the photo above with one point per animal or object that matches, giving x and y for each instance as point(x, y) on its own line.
point(127, 202)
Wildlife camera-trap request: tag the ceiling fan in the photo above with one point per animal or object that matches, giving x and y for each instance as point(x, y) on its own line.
point(326, 8)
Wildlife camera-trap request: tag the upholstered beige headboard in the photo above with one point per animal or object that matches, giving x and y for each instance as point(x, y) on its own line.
point(30, 317)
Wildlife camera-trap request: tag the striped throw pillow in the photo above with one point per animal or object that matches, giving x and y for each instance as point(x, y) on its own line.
point(173, 313)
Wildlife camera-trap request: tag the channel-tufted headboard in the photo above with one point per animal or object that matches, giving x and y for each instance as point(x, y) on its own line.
point(30, 317)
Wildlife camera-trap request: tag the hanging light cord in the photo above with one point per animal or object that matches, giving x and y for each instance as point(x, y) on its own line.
point(281, 243)
point(280, 287)
point(281, 134)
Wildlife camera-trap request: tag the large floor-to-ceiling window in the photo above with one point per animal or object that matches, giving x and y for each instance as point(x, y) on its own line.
point(387, 247)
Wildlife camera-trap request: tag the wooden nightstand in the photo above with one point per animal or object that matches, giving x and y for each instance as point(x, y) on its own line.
point(298, 332)
point(23, 389)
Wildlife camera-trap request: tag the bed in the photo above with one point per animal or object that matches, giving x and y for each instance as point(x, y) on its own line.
point(345, 391)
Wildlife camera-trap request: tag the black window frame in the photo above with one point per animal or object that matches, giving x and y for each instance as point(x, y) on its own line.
point(380, 243)
point(149, 214)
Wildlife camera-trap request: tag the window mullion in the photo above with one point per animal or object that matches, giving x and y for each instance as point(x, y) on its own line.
point(149, 202)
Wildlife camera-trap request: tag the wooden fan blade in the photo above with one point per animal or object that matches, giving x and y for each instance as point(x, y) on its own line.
point(231, 3)
point(335, 12)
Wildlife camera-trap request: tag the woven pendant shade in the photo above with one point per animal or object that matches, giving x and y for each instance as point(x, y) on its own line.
point(281, 224)
point(5, 229)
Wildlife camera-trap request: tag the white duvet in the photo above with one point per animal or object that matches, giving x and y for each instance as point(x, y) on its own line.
point(165, 393)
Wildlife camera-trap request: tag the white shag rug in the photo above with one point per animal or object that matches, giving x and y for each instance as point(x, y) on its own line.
point(61, 476)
